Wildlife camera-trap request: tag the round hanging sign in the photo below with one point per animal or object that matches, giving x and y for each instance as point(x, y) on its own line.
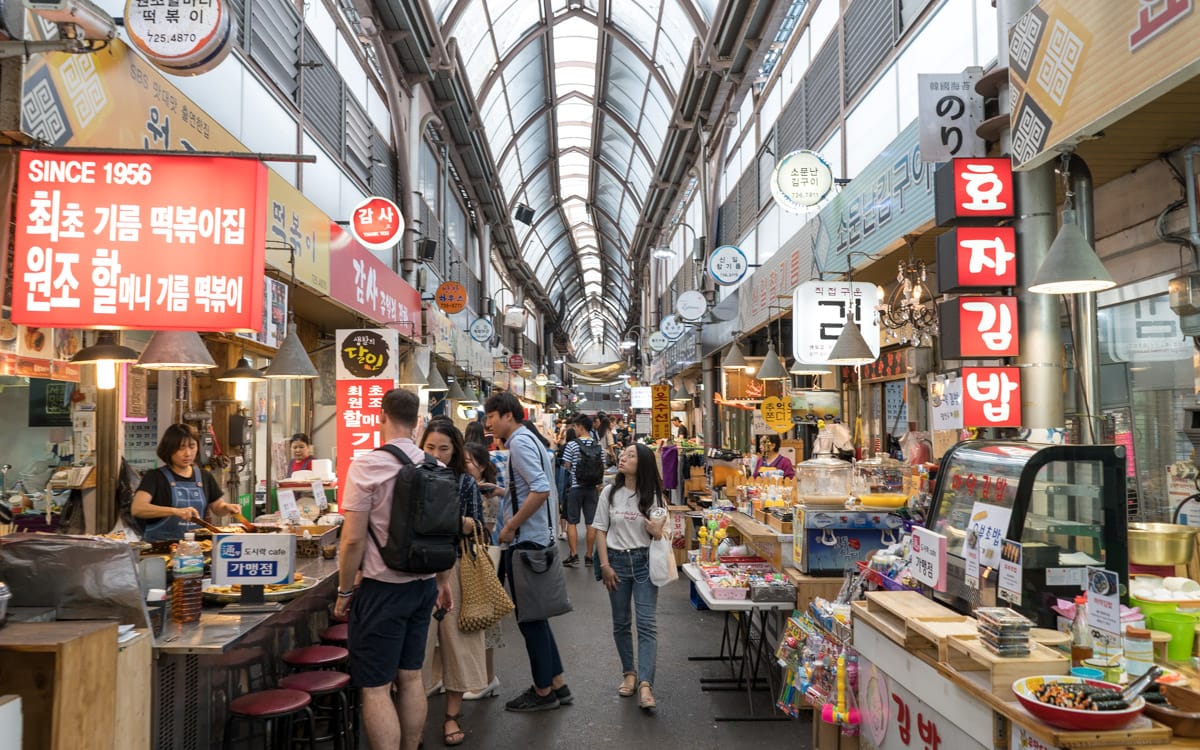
point(181, 39)
point(801, 180)
point(777, 413)
point(516, 362)
point(451, 297)
point(727, 265)
point(377, 223)
point(365, 354)
point(671, 327)
point(481, 330)
point(691, 305)
point(658, 341)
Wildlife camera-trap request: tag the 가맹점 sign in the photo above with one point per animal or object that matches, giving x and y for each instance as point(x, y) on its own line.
point(158, 242)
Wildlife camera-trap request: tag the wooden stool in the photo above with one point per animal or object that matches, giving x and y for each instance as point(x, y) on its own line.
point(335, 688)
point(268, 706)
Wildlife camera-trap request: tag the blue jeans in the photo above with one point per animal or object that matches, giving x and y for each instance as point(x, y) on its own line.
point(633, 582)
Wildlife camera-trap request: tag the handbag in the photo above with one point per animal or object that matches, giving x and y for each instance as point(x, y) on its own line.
point(539, 583)
point(662, 559)
point(484, 600)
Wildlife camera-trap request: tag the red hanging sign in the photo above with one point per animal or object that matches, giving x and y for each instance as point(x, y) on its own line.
point(970, 188)
point(377, 223)
point(970, 258)
point(153, 241)
point(979, 328)
point(991, 396)
point(359, 409)
point(516, 362)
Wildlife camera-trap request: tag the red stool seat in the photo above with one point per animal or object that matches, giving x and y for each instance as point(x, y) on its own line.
point(316, 683)
point(266, 704)
point(316, 657)
point(339, 633)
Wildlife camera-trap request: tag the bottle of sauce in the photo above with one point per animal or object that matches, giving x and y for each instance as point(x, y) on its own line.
point(187, 596)
point(1081, 634)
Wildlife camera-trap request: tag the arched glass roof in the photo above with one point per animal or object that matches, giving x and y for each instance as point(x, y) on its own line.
point(575, 97)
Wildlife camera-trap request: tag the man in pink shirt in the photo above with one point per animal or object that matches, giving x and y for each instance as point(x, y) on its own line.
point(389, 610)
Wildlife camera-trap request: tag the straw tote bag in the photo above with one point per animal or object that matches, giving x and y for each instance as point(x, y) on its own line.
point(484, 600)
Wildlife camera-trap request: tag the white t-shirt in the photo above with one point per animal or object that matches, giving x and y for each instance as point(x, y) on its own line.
point(621, 521)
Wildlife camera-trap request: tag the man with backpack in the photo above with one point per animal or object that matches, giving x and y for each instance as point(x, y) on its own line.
point(583, 459)
point(390, 608)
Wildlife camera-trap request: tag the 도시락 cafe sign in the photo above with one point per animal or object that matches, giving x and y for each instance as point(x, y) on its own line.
point(151, 241)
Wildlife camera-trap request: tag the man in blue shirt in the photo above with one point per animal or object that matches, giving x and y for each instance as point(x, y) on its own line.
point(527, 515)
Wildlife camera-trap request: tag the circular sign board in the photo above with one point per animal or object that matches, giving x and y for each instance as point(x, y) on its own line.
point(482, 330)
point(777, 413)
point(727, 265)
point(377, 223)
point(691, 305)
point(658, 341)
point(451, 297)
point(181, 39)
point(365, 354)
point(801, 180)
point(671, 327)
point(516, 362)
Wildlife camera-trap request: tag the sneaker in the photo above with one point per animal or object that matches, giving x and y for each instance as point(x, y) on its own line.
point(563, 535)
point(488, 692)
point(587, 560)
point(564, 696)
point(530, 701)
point(571, 562)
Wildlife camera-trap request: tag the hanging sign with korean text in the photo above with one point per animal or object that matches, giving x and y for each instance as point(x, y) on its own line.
point(151, 241)
point(367, 285)
point(971, 190)
point(978, 328)
point(949, 110)
point(801, 180)
point(368, 353)
point(671, 327)
point(820, 310)
point(451, 297)
point(658, 341)
point(928, 564)
point(727, 265)
point(516, 362)
point(691, 305)
point(660, 411)
point(184, 37)
point(482, 330)
point(972, 258)
point(377, 223)
point(366, 368)
point(991, 396)
point(777, 413)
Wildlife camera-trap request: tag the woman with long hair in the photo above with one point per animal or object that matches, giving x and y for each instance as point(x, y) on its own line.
point(461, 656)
point(480, 466)
point(624, 530)
point(474, 433)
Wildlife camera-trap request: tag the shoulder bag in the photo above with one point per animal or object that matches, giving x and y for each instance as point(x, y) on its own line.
point(484, 600)
point(539, 583)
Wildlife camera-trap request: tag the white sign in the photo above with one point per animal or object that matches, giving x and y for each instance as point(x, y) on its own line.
point(481, 330)
point(645, 423)
point(671, 327)
point(318, 491)
point(288, 510)
point(253, 559)
point(658, 341)
point(1022, 740)
point(186, 38)
point(894, 718)
point(1010, 572)
point(691, 305)
point(1064, 577)
point(727, 265)
point(1103, 600)
point(945, 404)
point(641, 397)
point(986, 532)
point(928, 564)
point(801, 180)
point(949, 111)
point(820, 310)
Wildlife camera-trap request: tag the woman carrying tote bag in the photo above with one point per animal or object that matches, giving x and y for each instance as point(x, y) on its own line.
point(625, 531)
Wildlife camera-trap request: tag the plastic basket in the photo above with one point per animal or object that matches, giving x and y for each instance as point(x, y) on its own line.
point(730, 592)
point(887, 583)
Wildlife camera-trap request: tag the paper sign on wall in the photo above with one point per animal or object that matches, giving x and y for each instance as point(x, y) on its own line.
point(1010, 572)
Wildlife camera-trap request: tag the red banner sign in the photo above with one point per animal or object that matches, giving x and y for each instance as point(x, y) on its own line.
point(377, 223)
point(359, 405)
point(364, 283)
point(516, 362)
point(977, 258)
point(991, 396)
point(147, 241)
point(979, 328)
point(971, 188)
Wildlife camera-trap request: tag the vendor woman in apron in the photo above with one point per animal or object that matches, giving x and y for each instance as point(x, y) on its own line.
point(171, 496)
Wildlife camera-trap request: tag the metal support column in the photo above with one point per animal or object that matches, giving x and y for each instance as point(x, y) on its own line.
point(1086, 327)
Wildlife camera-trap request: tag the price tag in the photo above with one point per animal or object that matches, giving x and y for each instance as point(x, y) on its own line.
point(1010, 572)
point(971, 576)
point(928, 564)
point(318, 490)
point(288, 510)
point(1103, 601)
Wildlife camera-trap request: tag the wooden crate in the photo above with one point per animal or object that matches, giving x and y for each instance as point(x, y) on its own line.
point(699, 484)
point(913, 621)
point(966, 653)
point(783, 527)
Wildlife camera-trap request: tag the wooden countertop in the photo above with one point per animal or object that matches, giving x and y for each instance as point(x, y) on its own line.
point(50, 636)
point(752, 529)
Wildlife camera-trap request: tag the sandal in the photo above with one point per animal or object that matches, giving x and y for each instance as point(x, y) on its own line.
point(628, 685)
point(646, 698)
point(450, 739)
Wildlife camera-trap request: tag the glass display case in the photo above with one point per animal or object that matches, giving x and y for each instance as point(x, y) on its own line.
point(1065, 504)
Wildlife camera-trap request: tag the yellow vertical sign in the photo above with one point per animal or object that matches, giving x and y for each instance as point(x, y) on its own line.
point(660, 412)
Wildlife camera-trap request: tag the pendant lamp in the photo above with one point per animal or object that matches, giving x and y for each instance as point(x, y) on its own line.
point(242, 372)
point(291, 362)
point(176, 350)
point(436, 382)
point(1071, 266)
point(105, 354)
point(851, 348)
point(772, 367)
point(734, 359)
point(456, 393)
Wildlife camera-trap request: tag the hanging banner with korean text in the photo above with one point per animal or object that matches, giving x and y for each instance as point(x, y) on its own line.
point(365, 284)
point(820, 310)
point(971, 258)
point(949, 110)
point(991, 396)
point(158, 242)
point(978, 328)
point(366, 368)
point(661, 412)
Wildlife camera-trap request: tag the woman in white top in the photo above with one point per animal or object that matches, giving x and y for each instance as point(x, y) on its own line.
point(624, 530)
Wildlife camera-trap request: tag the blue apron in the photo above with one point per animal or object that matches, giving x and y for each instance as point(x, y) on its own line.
point(183, 495)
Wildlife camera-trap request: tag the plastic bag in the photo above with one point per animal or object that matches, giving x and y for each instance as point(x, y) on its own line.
point(662, 561)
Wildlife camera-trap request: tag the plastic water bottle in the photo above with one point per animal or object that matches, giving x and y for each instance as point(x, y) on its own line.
point(186, 596)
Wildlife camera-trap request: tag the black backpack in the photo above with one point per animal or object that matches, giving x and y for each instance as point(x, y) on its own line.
point(590, 470)
point(424, 527)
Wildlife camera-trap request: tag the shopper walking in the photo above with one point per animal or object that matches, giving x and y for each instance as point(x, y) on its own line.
point(583, 460)
point(527, 517)
point(562, 477)
point(453, 658)
point(624, 530)
point(390, 610)
point(479, 466)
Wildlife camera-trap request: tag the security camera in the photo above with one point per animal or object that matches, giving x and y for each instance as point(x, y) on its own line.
point(82, 16)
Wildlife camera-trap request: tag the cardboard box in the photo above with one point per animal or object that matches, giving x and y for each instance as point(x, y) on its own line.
point(695, 485)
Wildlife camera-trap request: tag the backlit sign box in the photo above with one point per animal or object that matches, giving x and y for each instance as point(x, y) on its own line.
point(991, 396)
point(968, 190)
point(975, 258)
point(979, 328)
point(253, 559)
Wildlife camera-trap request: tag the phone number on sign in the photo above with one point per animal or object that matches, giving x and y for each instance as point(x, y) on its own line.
point(83, 172)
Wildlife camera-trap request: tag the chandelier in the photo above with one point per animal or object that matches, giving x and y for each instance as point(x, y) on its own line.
point(909, 313)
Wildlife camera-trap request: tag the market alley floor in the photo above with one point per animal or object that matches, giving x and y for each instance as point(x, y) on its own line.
point(599, 718)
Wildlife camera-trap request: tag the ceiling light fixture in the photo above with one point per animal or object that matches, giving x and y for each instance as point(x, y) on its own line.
point(1071, 266)
point(105, 354)
point(176, 350)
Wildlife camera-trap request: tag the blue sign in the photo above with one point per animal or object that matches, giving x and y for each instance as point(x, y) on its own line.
point(727, 265)
point(253, 559)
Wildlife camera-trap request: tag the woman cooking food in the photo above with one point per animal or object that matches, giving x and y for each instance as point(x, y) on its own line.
point(768, 446)
point(170, 496)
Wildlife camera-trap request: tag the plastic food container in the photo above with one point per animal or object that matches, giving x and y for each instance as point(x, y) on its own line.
point(823, 481)
point(881, 482)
